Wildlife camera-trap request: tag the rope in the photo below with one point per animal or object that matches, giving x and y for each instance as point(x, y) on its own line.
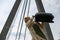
point(22, 19)
point(27, 15)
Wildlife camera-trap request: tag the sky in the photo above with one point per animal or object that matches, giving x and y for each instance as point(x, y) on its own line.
point(51, 6)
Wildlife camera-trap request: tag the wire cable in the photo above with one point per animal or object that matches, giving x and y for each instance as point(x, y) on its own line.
point(22, 19)
point(27, 15)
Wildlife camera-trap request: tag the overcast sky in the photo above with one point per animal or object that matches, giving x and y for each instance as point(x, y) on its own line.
point(51, 6)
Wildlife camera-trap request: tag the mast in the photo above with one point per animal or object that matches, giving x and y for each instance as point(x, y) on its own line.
point(47, 27)
point(9, 20)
